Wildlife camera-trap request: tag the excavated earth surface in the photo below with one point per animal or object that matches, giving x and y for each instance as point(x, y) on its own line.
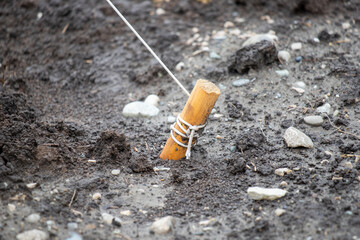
point(69, 67)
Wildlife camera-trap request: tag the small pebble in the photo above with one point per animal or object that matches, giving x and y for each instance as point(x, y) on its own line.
point(282, 73)
point(72, 226)
point(283, 184)
point(296, 46)
point(32, 235)
point(284, 56)
point(116, 221)
point(300, 84)
point(282, 171)
point(162, 225)
point(298, 59)
point(326, 108)
point(31, 185)
point(140, 109)
point(39, 15)
point(258, 193)
point(350, 213)
point(316, 40)
point(277, 95)
point(115, 172)
point(33, 218)
point(180, 66)
point(161, 169)
point(260, 37)
point(295, 138)
point(96, 196)
point(229, 24)
point(233, 148)
point(107, 218)
point(214, 55)
point(348, 165)
point(298, 90)
point(171, 119)
point(240, 82)
point(279, 212)
point(152, 100)
point(346, 25)
point(314, 120)
point(11, 207)
point(125, 212)
point(160, 11)
point(74, 236)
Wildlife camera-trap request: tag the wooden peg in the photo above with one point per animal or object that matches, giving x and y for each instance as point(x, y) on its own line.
point(196, 111)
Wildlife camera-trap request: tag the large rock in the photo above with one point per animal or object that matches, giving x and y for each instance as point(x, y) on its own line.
point(32, 235)
point(258, 193)
point(140, 109)
point(163, 225)
point(295, 138)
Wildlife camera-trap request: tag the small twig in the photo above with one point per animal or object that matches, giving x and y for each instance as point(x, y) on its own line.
point(339, 129)
point(65, 28)
point(72, 199)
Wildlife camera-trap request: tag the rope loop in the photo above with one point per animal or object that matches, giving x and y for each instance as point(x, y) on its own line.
point(188, 133)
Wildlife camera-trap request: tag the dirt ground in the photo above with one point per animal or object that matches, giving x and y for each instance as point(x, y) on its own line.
point(67, 69)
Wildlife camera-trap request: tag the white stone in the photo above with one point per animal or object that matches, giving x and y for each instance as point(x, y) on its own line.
point(207, 222)
point(282, 73)
point(346, 25)
point(33, 218)
point(107, 218)
point(171, 119)
point(283, 184)
point(235, 31)
point(74, 236)
point(260, 37)
point(72, 226)
point(11, 207)
point(115, 172)
point(32, 235)
point(316, 40)
point(282, 171)
point(295, 138)
point(229, 24)
point(326, 108)
point(259, 193)
point(240, 82)
point(180, 66)
point(125, 212)
point(314, 120)
point(160, 11)
point(96, 196)
point(284, 56)
point(161, 169)
point(298, 90)
point(31, 185)
point(279, 212)
point(296, 46)
point(140, 109)
point(152, 100)
point(39, 15)
point(163, 225)
point(299, 84)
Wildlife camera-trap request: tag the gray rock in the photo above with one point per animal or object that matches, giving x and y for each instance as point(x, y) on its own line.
point(74, 236)
point(258, 193)
point(72, 226)
point(260, 37)
point(33, 218)
point(299, 84)
point(214, 55)
point(284, 56)
point(32, 235)
point(140, 109)
point(163, 225)
point(326, 108)
point(295, 138)
point(314, 120)
point(240, 82)
point(282, 73)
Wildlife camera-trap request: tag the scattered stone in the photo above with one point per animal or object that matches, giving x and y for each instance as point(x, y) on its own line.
point(283, 184)
point(214, 55)
point(295, 138)
point(326, 108)
point(325, 36)
point(298, 90)
point(219, 36)
point(125, 212)
point(3, 185)
point(96, 196)
point(140, 109)
point(314, 120)
point(74, 236)
point(260, 37)
point(207, 222)
point(39, 15)
point(346, 25)
point(107, 218)
point(33, 218)
point(171, 119)
point(252, 57)
point(282, 171)
point(11, 207)
point(72, 226)
point(296, 46)
point(240, 82)
point(232, 148)
point(32, 235)
point(229, 24)
point(284, 56)
point(300, 84)
point(163, 225)
point(116, 221)
point(298, 59)
point(277, 95)
point(348, 165)
point(115, 172)
point(279, 212)
point(258, 193)
point(160, 11)
point(161, 169)
point(180, 66)
point(31, 185)
point(152, 100)
point(282, 73)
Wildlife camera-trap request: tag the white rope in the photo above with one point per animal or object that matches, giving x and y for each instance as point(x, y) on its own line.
point(188, 133)
point(148, 48)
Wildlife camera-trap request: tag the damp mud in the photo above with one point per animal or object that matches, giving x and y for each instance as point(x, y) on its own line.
point(67, 69)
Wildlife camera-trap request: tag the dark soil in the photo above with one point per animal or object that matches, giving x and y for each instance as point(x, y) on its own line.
point(67, 69)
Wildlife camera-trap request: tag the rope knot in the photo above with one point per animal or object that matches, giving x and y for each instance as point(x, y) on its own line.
point(188, 133)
